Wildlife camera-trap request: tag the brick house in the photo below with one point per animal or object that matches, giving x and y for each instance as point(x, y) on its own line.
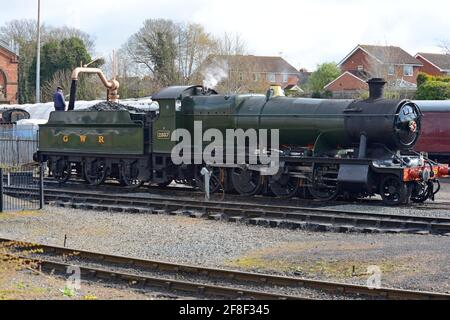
point(398, 67)
point(434, 64)
point(249, 73)
point(9, 73)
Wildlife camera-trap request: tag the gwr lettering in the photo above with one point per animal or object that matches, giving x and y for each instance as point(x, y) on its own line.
point(83, 139)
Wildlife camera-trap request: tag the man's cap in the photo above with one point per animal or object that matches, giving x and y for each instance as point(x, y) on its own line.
point(59, 88)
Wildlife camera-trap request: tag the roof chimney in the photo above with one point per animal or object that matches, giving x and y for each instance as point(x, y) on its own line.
point(376, 88)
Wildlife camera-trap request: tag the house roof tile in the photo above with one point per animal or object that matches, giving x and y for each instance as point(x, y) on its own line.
point(442, 61)
point(262, 63)
point(386, 55)
point(391, 54)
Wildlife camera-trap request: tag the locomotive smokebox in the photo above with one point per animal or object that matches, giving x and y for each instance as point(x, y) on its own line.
point(376, 88)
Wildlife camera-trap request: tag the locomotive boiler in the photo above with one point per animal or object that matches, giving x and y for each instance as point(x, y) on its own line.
point(327, 148)
point(321, 124)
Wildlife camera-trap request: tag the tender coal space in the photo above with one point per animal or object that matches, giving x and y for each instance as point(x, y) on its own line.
point(112, 106)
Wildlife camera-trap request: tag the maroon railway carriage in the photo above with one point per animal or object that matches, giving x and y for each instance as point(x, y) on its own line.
point(435, 136)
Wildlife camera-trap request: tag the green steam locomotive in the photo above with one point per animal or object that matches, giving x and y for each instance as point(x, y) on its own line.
point(325, 148)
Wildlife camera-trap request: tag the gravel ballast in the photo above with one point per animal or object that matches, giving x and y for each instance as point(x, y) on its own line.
point(406, 261)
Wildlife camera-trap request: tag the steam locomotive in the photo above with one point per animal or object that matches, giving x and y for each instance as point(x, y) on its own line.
point(327, 148)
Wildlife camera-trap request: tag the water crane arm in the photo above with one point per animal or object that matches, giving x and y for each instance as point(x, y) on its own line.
point(112, 86)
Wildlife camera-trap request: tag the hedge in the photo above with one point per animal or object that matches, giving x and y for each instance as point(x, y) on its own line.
point(434, 90)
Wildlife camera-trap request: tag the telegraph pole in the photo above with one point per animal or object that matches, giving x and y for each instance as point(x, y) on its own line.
point(38, 56)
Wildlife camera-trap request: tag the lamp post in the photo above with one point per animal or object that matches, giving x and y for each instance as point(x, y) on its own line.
point(38, 56)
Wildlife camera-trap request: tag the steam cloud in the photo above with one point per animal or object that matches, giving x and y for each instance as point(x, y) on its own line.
point(215, 73)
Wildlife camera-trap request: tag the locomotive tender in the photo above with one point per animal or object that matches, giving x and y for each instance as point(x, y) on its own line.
point(328, 148)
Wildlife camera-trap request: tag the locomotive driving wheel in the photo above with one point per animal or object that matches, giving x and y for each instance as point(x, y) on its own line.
point(324, 185)
point(394, 191)
point(62, 170)
point(247, 182)
point(284, 186)
point(96, 171)
point(129, 173)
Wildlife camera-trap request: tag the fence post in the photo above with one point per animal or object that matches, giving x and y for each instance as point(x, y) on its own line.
point(1, 190)
point(41, 186)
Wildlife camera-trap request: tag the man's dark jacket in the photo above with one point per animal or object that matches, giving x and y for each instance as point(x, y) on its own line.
point(60, 103)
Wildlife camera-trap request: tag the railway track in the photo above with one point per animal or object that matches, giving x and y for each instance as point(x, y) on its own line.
point(183, 191)
point(294, 217)
point(58, 259)
point(187, 191)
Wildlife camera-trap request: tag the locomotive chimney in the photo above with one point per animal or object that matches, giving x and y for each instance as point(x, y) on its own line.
point(376, 88)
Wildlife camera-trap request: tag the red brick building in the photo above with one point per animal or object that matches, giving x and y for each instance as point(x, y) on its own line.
point(398, 67)
point(353, 81)
point(434, 64)
point(9, 72)
point(249, 73)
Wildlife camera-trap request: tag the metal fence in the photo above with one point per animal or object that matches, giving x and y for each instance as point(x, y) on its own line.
point(17, 146)
point(21, 188)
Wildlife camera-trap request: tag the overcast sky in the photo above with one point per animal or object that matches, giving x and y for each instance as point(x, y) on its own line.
point(304, 32)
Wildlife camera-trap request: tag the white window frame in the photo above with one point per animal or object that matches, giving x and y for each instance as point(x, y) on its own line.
point(391, 70)
point(285, 78)
point(408, 67)
point(360, 68)
point(271, 76)
point(256, 77)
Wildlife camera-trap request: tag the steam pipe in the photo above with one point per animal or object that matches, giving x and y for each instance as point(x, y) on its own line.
point(363, 146)
point(111, 85)
point(73, 95)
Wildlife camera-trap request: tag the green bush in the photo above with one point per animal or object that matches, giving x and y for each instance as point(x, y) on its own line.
point(434, 90)
point(422, 78)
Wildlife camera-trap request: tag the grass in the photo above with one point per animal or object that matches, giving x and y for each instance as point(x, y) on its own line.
point(19, 214)
point(327, 268)
point(300, 258)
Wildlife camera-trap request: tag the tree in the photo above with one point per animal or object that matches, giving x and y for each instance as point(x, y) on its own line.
point(445, 46)
point(60, 33)
point(324, 74)
point(23, 32)
point(59, 58)
point(155, 46)
point(194, 46)
point(170, 51)
point(66, 54)
point(62, 78)
point(227, 68)
point(232, 44)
